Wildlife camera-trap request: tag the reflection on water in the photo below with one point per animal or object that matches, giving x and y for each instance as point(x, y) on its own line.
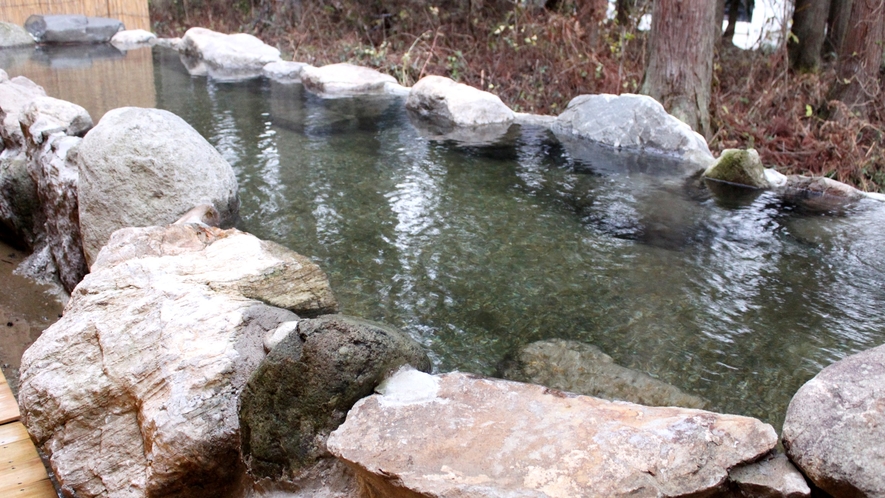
point(476, 251)
point(98, 77)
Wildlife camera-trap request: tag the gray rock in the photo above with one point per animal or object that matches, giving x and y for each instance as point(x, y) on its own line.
point(13, 35)
point(584, 369)
point(772, 477)
point(347, 80)
point(635, 122)
point(835, 426)
point(141, 167)
point(45, 116)
point(742, 167)
point(72, 28)
point(284, 71)
point(19, 205)
point(224, 57)
point(456, 435)
point(133, 392)
point(309, 380)
point(441, 102)
point(819, 194)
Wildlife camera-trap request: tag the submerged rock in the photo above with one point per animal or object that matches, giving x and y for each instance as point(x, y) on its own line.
point(133, 392)
point(457, 435)
point(347, 80)
point(224, 57)
point(304, 388)
point(13, 35)
point(584, 369)
point(141, 167)
point(742, 167)
point(69, 28)
point(635, 122)
point(835, 426)
point(772, 477)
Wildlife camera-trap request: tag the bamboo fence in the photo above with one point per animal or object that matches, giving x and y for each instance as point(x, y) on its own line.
point(133, 13)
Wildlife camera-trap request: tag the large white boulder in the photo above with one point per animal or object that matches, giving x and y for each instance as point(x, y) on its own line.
point(225, 57)
point(835, 426)
point(133, 392)
point(347, 80)
point(142, 167)
point(457, 435)
point(632, 122)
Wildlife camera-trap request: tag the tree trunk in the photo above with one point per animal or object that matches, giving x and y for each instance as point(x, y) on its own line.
point(720, 16)
point(734, 7)
point(857, 69)
point(837, 25)
point(809, 28)
point(680, 65)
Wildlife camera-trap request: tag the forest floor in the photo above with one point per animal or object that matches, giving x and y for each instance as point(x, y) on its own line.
point(536, 61)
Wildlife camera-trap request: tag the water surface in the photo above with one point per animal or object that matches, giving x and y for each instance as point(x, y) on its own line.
point(476, 251)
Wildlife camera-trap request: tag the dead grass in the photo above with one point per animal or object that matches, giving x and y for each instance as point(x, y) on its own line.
point(536, 61)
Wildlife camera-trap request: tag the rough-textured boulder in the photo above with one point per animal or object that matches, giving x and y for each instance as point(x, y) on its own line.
point(458, 435)
point(819, 194)
point(348, 80)
point(13, 35)
point(141, 167)
point(224, 57)
point(53, 129)
point(72, 28)
point(441, 102)
point(772, 477)
point(19, 205)
point(133, 38)
point(134, 391)
point(304, 388)
point(284, 71)
point(835, 426)
point(636, 122)
point(739, 166)
point(584, 369)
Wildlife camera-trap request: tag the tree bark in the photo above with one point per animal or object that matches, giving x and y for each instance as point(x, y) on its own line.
point(809, 28)
point(837, 25)
point(720, 16)
point(680, 65)
point(857, 68)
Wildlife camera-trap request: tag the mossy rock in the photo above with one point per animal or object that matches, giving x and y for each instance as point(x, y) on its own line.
point(738, 166)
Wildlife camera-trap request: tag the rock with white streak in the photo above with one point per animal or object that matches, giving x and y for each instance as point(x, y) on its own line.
point(143, 167)
point(457, 435)
point(835, 425)
point(134, 391)
point(631, 122)
point(772, 477)
point(225, 57)
point(133, 38)
point(347, 80)
point(284, 71)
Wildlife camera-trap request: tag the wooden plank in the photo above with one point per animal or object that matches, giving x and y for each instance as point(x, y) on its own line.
point(8, 405)
point(10, 433)
point(39, 489)
point(17, 457)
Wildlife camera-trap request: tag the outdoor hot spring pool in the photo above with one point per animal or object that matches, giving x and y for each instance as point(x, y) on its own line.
point(477, 251)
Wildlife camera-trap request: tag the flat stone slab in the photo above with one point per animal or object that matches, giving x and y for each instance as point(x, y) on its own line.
point(348, 80)
point(459, 435)
point(72, 28)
